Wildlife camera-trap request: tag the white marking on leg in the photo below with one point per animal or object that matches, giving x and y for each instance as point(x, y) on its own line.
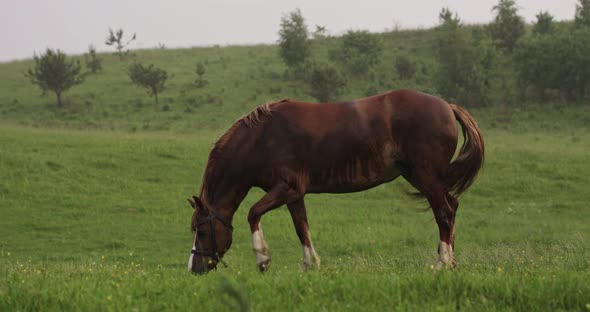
point(260, 248)
point(309, 254)
point(306, 255)
point(445, 253)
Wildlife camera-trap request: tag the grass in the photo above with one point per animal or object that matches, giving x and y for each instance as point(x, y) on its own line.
point(96, 220)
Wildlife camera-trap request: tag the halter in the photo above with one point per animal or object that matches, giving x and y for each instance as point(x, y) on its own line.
point(212, 253)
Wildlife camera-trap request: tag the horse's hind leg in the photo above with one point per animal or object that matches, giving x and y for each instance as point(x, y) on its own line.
point(443, 205)
point(445, 219)
point(299, 216)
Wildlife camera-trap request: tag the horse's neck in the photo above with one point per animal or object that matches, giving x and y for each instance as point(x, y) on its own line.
point(225, 180)
point(227, 204)
point(223, 192)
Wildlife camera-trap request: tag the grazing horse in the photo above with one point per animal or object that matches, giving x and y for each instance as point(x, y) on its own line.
point(290, 148)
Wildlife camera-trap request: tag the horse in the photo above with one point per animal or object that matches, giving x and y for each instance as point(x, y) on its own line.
point(290, 148)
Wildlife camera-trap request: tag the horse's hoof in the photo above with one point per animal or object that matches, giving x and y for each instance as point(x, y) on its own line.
point(453, 263)
point(264, 265)
point(310, 266)
point(439, 265)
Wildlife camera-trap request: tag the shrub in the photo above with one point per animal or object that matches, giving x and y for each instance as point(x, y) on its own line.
point(326, 82)
point(405, 67)
point(93, 62)
point(359, 51)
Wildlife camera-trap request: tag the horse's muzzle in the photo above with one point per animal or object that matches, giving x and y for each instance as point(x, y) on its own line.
point(203, 264)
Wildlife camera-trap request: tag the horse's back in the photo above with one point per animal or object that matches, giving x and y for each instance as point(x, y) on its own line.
point(349, 146)
point(386, 113)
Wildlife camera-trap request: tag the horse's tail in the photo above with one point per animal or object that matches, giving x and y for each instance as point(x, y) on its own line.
point(463, 170)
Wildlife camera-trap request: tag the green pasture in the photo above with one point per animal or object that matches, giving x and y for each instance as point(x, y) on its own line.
point(97, 220)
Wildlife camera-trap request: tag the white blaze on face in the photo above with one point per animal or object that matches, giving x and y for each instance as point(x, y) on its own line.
point(190, 259)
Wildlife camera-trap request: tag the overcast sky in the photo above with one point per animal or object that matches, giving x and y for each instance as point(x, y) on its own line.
point(28, 26)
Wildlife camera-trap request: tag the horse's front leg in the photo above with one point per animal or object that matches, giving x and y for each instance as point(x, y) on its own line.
point(274, 198)
point(299, 216)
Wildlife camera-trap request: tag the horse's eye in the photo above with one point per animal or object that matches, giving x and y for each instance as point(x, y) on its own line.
point(200, 233)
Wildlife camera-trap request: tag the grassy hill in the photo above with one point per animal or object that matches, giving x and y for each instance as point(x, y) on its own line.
point(240, 78)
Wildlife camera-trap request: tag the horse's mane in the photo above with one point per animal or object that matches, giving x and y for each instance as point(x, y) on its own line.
point(250, 120)
point(256, 116)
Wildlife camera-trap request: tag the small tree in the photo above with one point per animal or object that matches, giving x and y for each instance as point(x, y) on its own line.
point(149, 77)
point(326, 82)
point(53, 72)
point(116, 39)
point(582, 17)
point(359, 51)
point(320, 32)
point(448, 19)
point(507, 26)
point(200, 71)
point(93, 62)
point(544, 24)
point(294, 45)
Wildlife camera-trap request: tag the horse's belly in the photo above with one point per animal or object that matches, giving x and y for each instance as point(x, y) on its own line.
point(348, 180)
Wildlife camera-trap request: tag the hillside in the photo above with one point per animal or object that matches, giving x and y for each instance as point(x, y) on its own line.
point(240, 78)
point(243, 77)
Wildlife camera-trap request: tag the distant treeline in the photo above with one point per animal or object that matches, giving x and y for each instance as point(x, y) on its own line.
point(504, 62)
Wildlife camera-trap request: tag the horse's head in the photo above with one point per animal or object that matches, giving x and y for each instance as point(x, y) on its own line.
point(212, 237)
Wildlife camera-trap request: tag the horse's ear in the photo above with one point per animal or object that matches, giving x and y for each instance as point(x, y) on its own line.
point(195, 203)
point(192, 203)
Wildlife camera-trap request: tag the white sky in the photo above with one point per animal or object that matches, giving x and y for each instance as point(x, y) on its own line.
point(28, 26)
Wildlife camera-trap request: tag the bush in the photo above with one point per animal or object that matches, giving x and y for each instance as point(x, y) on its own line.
point(326, 82)
point(93, 62)
point(359, 51)
point(544, 23)
point(200, 71)
point(559, 60)
point(406, 68)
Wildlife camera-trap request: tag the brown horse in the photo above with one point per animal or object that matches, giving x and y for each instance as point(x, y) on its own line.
point(290, 148)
